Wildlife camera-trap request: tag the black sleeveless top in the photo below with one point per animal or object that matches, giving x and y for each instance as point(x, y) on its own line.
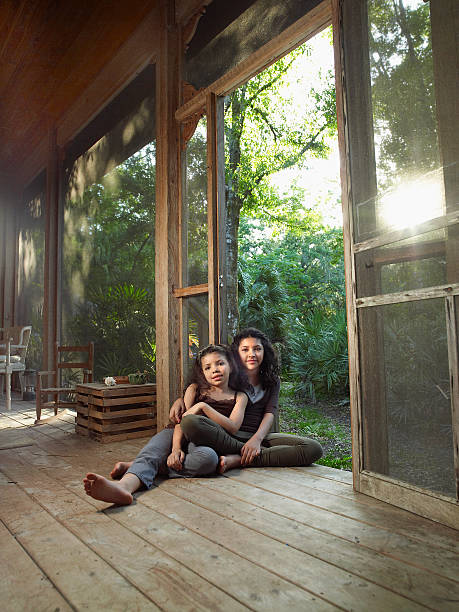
point(224, 407)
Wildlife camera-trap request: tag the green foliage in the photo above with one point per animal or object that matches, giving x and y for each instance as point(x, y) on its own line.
point(343, 462)
point(401, 70)
point(265, 132)
point(298, 418)
point(120, 320)
point(109, 267)
point(319, 354)
point(289, 282)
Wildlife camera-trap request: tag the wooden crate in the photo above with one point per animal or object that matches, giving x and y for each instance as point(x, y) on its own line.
point(121, 412)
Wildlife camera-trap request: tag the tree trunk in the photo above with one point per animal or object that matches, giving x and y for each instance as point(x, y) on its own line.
point(233, 206)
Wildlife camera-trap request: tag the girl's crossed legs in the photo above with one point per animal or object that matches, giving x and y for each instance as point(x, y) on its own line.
point(278, 450)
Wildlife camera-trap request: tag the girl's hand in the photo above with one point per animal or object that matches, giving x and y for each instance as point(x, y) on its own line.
point(250, 450)
point(177, 410)
point(176, 459)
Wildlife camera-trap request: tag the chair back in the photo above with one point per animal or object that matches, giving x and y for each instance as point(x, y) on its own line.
point(64, 359)
point(20, 335)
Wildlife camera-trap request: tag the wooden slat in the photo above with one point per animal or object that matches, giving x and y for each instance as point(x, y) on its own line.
point(379, 538)
point(259, 588)
point(407, 232)
point(98, 390)
point(411, 582)
point(321, 579)
point(453, 360)
point(112, 437)
point(399, 520)
point(330, 473)
point(157, 575)
point(116, 414)
point(22, 584)
point(122, 401)
point(190, 291)
point(427, 293)
point(121, 427)
point(413, 499)
point(80, 575)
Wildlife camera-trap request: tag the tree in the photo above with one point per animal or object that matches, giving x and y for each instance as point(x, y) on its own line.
point(264, 135)
point(403, 96)
point(109, 267)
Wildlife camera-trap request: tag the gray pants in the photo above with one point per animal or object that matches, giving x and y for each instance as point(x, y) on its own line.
point(199, 460)
point(278, 449)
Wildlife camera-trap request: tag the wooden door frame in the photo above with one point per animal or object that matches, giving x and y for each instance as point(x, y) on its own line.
point(415, 499)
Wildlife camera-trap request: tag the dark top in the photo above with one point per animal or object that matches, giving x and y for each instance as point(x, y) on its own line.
point(255, 412)
point(224, 407)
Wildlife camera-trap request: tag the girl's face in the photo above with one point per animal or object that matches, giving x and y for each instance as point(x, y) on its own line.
point(216, 369)
point(251, 352)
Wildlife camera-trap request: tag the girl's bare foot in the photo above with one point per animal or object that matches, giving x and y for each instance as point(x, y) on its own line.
point(228, 462)
point(103, 489)
point(120, 468)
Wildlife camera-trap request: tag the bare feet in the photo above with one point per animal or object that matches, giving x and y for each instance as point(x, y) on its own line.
point(120, 468)
point(103, 489)
point(228, 462)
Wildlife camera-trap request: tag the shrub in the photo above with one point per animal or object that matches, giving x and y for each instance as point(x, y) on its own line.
point(318, 354)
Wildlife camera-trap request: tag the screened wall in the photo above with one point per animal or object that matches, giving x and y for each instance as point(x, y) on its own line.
point(30, 220)
point(108, 246)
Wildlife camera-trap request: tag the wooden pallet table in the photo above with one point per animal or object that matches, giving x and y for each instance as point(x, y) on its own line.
point(121, 412)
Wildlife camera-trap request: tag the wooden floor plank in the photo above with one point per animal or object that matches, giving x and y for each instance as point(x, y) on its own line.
point(84, 579)
point(170, 584)
point(409, 581)
point(285, 538)
point(375, 513)
point(166, 582)
point(23, 586)
point(307, 475)
point(328, 472)
point(436, 560)
point(341, 587)
point(247, 582)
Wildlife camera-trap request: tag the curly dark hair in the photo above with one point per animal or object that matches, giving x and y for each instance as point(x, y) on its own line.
point(236, 381)
point(269, 369)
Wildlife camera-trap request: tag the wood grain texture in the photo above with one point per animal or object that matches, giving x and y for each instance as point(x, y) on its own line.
point(258, 539)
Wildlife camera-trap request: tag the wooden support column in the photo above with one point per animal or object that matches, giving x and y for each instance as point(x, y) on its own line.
point(167, 216)
point(51, 267)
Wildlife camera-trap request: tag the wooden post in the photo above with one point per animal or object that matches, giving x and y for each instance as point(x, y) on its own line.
point(445, 27)
point(167, 215)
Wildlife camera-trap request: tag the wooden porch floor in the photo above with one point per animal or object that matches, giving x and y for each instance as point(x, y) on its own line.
point(256, 539)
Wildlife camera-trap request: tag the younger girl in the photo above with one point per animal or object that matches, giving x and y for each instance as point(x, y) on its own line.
point(210, 393)
point(253, 445)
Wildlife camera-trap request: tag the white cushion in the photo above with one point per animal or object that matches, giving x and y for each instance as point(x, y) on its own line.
point(13, 358)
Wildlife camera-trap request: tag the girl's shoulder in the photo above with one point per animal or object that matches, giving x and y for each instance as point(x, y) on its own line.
point(192, 390)
point(241, 396)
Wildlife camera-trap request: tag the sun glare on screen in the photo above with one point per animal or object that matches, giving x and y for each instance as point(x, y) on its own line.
point(412, 202)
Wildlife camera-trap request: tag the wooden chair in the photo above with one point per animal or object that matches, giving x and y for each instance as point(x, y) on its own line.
point(61, 363)
point(13, 350)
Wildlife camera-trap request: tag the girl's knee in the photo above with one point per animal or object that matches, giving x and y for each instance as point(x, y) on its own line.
point(202, 461)
point(313, 451)
point(190, 425)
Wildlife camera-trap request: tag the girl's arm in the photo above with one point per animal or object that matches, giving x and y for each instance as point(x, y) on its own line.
point(175, 459)
point(180, 405)
point(231, 423)
point(253, 445)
